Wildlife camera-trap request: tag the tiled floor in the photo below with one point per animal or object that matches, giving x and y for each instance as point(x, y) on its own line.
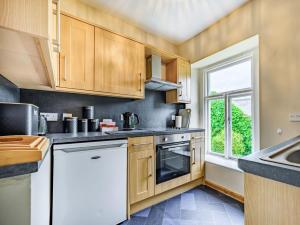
point(200, 206)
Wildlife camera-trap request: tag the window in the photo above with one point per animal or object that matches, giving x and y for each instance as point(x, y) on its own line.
point(230, 107)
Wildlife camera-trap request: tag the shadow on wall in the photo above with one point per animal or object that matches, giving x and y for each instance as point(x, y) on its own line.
point(9, 92)
point(153, 111)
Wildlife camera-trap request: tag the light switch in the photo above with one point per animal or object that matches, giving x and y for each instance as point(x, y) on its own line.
point(66, 115)
point(294, 117)
point(50, 116)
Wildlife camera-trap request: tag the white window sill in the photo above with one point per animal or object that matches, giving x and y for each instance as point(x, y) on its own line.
point(220, 161)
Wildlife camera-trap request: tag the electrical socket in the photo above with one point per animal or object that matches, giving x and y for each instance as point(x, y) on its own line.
point(50, 116)
point(294, 117)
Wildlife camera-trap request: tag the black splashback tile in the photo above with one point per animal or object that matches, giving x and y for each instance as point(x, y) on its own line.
point(9, 92)
point(152, 111)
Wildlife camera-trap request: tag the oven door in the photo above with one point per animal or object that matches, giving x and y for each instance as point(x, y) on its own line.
point(172, 160)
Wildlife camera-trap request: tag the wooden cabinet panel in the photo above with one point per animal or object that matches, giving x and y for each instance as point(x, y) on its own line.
point(29, 16)
point(181, 75)
point(119, 64)
point(77, 54)
point(141, 168)
point(269, 202)
point(198, 153)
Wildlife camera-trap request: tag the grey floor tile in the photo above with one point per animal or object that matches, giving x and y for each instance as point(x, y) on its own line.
point(221, 218)
point(219, 207)
point(143, 213)
point(135, 221)
point(156, 214)
point(188, 201)
point(168, 221)
point(199, 206)
point(172, 210)
point(198, 215)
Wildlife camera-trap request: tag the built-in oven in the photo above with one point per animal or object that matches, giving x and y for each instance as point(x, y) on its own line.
point(173, 156)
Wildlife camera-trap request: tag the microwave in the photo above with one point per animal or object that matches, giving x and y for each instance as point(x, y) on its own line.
point(18, 119)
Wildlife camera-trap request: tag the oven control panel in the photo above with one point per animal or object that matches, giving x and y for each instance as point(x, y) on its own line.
point(165, 139)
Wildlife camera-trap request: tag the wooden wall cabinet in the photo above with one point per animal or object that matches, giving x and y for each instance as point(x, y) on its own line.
point(119, 65)
point(180, 73)
point(76, 55)
point(198, 154)
point(141, 168)
point(96, 61)
point(28, 42)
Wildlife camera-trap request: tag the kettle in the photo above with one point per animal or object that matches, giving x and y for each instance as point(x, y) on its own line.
point(42, 125)
point(130, 120)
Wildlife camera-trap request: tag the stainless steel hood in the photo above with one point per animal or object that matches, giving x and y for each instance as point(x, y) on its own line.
point(154, 81)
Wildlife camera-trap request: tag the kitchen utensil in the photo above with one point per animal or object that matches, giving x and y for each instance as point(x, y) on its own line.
point(83, 125)
point(186, 116)
point(42, 125)
point(19, 119)
point(178, 122)
point(71, 125)
point(130, 120)
point(93, 124)
point(88, 112)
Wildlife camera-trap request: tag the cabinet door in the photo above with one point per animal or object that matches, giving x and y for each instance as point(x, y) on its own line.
point(119, 64)
point(181, 80)
point(132, 81)
point(184, 77)
point(109, 61)
point(197, 159)
point(77, 54)
point(141, 168)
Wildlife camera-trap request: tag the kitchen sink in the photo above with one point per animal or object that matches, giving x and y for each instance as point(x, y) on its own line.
point(288, 156)
point(294, 157)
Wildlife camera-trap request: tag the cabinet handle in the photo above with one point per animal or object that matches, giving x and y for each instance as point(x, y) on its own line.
point(194, 156)
point(140, 74)
point(196, 138)
point(141, 144)
point(96, 157)
point(56, 12)
point(150, 167)
point(65, 67)
point(180, 89)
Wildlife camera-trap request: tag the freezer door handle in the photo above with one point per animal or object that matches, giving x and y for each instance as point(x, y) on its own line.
point(96, 157)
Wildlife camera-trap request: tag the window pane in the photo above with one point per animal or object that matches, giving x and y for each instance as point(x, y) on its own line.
point(241, 126)
point(233, 77)
point(216, 125)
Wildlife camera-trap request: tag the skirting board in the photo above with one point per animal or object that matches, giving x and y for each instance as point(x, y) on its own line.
point(225, 191)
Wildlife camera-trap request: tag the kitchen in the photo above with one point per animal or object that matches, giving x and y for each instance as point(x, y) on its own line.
point(99, 66)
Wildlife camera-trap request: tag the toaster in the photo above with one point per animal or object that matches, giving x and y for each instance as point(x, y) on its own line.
point(19, 119)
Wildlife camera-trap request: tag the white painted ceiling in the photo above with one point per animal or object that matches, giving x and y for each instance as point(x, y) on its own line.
point(175, 20)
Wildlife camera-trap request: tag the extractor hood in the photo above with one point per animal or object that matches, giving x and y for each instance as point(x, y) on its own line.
point(154, 77)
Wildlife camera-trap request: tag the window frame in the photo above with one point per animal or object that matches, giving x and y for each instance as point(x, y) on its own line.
point(227, 96)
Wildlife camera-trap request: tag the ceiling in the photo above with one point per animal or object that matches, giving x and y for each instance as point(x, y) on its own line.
point(175, 20)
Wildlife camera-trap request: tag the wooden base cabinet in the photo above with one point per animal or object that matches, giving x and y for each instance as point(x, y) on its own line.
point(141, 168)
point(269, 202)
point(180, 73)
point(198, 154)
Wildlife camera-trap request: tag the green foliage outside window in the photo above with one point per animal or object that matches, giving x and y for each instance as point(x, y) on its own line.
point(241, 129)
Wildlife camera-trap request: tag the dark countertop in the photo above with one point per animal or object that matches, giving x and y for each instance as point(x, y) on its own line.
point(275, 171)
point(62, 138)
